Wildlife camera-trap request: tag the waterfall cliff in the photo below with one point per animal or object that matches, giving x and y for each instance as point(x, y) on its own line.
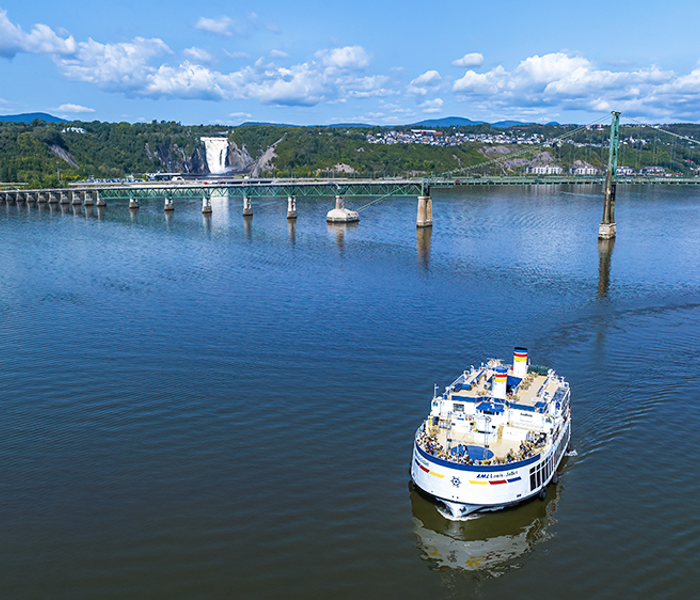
point(217, 151)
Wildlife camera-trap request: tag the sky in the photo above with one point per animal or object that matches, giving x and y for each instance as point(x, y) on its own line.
point(367, 61)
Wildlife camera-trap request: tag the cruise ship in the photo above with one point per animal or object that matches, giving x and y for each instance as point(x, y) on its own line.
point(494, 438)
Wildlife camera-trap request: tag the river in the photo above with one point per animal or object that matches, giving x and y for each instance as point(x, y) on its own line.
point(215, 407)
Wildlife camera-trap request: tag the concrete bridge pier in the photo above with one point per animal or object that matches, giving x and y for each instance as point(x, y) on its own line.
point(291, 208)
point(133, 202)
point(169, 206)
point(77, 200)
point(206, 205)
point(247, 207)
point(425, 212)
point(99, 201)
point(88, 200)
point(53, 198)
point(64, 198)
point(30, 197)
point(41, 198)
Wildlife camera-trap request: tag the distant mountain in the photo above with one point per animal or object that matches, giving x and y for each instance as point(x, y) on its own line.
point(29, 117)
point(446, 122)
point(506, 124)
point(247, 123)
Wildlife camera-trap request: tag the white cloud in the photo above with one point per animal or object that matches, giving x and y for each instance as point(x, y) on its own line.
point(40, 40)
point(74, 108)
point(219, 25)
point(278, 54)
point(227, 26)
point(114, 67)
point(240, 115)
point(474, 59)
point(432, 106)
point(236, 54)
point(350, 57)
point(127, 68)
point(562, 82)
point(421, 84)
point(198, 54)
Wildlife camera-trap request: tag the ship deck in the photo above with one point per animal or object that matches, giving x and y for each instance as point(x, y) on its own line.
point(528, 394)
point(499, 450)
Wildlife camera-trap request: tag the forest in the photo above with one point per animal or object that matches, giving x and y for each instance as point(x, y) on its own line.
point(46, 155)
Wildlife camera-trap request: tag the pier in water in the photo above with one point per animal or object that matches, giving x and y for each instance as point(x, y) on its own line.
point(212, 406)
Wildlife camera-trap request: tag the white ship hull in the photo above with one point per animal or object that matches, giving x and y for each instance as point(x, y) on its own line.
point(465, 489)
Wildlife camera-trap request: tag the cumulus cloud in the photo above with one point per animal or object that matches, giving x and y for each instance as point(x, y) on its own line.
point(474, 59)
point(227, 26)
point(129, 68)
point(423, 83)
point(40, 40)
point(432, 106)
point(220, 25)
point(563, 82)
point(74, 108)
point(198, 54)
point(115, 67)
point(350, 57)
point(278, 54)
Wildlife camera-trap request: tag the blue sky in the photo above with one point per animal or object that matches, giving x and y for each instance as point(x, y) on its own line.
point(310, 62)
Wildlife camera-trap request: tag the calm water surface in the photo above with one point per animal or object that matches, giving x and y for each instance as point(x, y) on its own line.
point(220, 408)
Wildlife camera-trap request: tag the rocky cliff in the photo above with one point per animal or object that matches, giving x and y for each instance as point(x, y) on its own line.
point(174, 159)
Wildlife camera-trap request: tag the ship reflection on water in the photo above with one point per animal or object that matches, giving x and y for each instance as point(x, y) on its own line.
point(488, 542)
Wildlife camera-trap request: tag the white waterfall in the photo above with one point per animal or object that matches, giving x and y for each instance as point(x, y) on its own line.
point(217, 150)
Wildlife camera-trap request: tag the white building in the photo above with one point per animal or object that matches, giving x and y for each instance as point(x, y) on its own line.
point(544, 170)
point(584, 170)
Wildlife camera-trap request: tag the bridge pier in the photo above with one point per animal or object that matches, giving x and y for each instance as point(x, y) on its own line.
point(425, 212)
point(247, 207)
point(88, 201)
point(340, 214)
point(99, 201)
point(53, 198)
point(77, 200)
point(64, 198)
point(133, 202)
point(41, 198)
point(291, 208)
point(206, 205)
point(169, 206)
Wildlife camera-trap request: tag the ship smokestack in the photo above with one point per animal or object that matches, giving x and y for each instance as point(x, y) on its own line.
point(520, 362)
point(498, 383)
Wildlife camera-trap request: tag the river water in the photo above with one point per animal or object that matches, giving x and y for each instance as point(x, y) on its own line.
point(216, 408)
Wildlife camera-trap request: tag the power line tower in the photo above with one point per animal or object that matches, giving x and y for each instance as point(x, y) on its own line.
point(607, 225)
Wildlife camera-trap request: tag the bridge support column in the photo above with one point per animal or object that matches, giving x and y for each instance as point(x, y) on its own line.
point(425, 212)
point(53, 198)
point(41, 197)
point(206, 205)
point(169, 206)
point(607, 228)
point(291, 208)
point(76, 199)
point(30, 197)
point(99, 201)
point(88, 201)
point(247, 207)
point(64, 198)
point(133, 202)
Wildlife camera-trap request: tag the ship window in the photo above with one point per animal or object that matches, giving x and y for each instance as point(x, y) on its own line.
point(459, 407)
point(533, 481)
point(539, 478)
